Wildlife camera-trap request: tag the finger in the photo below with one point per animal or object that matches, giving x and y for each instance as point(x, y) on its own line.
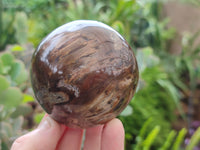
point(45, 136)
point(93, 138)
point(113, 136)
point(72, 139)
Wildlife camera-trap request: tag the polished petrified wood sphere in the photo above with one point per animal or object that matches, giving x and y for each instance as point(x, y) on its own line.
point(84, 73)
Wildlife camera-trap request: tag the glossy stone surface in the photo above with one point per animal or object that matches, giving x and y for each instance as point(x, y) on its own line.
point(84, 73)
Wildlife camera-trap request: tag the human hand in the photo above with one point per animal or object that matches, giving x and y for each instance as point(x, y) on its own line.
point(53, 136)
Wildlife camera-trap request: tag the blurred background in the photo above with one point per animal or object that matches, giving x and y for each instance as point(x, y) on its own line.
point(165, 36)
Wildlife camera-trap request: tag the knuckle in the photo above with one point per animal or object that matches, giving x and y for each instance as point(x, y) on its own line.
point(18, 143)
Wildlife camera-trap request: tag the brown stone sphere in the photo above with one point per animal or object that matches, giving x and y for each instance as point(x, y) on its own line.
point(84, 73)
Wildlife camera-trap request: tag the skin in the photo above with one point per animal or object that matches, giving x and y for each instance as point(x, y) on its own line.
point(53, 136)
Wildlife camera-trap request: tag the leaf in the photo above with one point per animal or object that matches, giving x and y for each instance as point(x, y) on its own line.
point(4, 83)
point(146, 58)
point(194, 140)
point(193, 38)
point(20, 26)
point(38, 117)
point(6, 128)
point(5, 113)
point(179, 139)
point(148, 51)
point(1, 67)
point(21, 110)
point(118, 26)
point(169, 141)
point(150, 138)
point(17, 124)
point(5, 145)
point(173, 93)
point(7, 59)
point(140, 138)
point(27, 98)
point(144, 127)
point(5, 69)
point(127, 111)
point(5, 133)
point(11, 97)
point(16, 69)
point(23, 76)
point(17, 48)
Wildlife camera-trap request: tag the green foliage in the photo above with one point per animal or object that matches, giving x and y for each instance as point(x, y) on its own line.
point(11, 97)
point(11, 123)
point(13, 69)
point(149, 29)
point(27, 98)
point(138, 22)
point(40, 24)
point(174, 141)
point(141, 23)
point(194, 140)
point(168, 141)
point(189, 58)
point(12, 76)
point(146, 142)
point(13, 24)
point(184, 68)
point(179, 139)
point(4, 83)
point(156, 98)
point(150, 138)
point(38, 117)
point(17, 48)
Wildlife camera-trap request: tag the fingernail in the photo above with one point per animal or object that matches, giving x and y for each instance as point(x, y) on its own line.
point(45, 124)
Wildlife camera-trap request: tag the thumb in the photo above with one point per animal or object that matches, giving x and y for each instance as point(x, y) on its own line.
point(46, 136)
